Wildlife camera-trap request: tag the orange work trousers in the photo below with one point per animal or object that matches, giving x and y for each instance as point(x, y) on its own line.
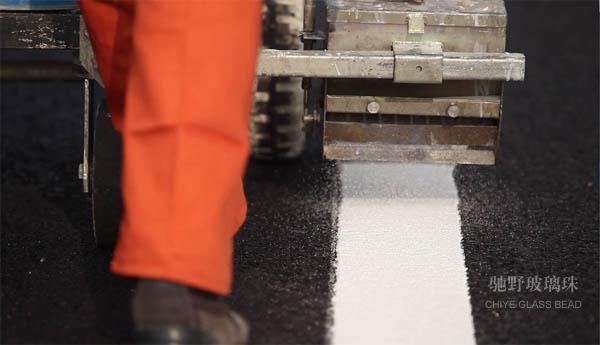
point(179, 81)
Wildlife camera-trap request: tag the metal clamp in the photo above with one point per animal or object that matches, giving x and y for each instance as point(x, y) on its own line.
point(418, 62)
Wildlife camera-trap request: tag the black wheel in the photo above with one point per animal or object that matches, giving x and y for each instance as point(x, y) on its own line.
point(276, 126)
point(107, 205)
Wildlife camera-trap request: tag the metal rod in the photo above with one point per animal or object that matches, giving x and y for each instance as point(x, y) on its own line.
point(380, 64)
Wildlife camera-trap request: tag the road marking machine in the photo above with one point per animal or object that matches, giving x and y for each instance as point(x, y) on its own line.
point(376, 80)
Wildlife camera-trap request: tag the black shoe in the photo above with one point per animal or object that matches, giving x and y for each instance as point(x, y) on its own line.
point(168, 313)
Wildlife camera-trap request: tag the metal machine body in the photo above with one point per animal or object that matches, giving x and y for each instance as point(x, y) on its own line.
point(394, 80)
point(407, 81)
point(401, 80)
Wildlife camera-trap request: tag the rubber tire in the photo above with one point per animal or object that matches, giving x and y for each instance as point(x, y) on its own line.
point(277, 125)
point(107, 204)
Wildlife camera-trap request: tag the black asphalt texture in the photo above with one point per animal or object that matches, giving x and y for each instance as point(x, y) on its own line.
point(536, 212)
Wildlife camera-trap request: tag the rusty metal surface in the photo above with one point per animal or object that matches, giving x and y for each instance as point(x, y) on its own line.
point(483, 106)
point(403, 153)
point(39, 30)
point(410, 134)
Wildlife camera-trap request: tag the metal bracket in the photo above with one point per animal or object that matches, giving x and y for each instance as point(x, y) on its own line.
point(418, 62)
point(86, 54)
point(84, 167)
point(416, 23)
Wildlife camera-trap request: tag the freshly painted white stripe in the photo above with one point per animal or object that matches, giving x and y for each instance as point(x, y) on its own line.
point(400, 275)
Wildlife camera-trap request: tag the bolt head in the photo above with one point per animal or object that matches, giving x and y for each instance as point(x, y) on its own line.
point(373, 107)
point(453, 110)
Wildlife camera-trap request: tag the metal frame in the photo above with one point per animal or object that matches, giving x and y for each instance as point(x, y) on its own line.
point(479, 107)
point(382, 65)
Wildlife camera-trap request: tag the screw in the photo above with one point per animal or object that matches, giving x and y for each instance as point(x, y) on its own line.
point(419, 68)
point(373, 107)
point(453, 110)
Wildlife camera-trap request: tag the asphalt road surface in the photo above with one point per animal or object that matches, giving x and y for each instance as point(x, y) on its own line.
point(333, 252)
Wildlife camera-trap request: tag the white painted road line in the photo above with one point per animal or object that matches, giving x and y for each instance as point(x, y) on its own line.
point(400, 275)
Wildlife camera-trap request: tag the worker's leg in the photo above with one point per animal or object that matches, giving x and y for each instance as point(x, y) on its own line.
point(188, 96)
point(109, 24)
